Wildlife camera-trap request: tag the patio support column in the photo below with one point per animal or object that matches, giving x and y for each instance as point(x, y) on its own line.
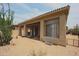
point(62, 28)
point(20, 31)
point(24, 30)
point(41, 29)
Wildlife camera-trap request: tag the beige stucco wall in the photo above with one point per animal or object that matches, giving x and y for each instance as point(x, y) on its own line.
point(41, 29)
point(63, 19)
point(15, 33)
point(62, 31)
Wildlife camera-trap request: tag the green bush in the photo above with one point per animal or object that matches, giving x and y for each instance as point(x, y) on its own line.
point(6, 22)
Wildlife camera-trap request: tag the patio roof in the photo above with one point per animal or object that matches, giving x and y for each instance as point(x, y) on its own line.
point(63, 10)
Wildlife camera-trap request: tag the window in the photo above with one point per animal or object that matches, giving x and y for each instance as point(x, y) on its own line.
point(52, 28)
point(48, 31)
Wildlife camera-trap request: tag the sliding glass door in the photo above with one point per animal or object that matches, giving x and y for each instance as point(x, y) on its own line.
point(52, 28)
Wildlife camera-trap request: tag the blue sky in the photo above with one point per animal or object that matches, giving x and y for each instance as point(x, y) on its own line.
point(29, 10)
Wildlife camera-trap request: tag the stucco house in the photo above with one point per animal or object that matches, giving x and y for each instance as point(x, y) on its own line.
point(49, 27)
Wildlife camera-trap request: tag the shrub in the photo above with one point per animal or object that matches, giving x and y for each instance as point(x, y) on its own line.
point(6, 22)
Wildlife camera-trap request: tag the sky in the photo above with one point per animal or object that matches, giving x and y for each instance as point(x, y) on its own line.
point(27, 11)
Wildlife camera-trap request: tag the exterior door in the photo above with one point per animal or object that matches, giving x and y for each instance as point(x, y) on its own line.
point(52, 28)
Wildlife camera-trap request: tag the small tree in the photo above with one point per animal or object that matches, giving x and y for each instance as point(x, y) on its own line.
point(6, 22)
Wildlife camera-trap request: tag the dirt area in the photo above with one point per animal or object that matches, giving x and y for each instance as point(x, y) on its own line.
point(26, 46)
point(22, 46)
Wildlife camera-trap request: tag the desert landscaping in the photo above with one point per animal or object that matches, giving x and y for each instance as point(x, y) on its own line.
point(29, 47)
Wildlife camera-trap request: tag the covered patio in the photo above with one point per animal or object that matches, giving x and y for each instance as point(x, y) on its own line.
point(49, 27)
